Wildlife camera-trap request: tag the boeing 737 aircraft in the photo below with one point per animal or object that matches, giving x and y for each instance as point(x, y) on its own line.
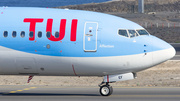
point(62, 42)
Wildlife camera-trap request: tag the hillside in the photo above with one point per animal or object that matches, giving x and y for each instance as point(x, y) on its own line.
point(129, 6)
point(167, 12)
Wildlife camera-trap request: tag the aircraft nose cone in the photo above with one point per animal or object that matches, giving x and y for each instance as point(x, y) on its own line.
point(172, 52)
point(163, 55)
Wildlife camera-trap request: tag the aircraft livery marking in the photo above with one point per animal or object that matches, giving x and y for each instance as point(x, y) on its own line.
point(62, 28)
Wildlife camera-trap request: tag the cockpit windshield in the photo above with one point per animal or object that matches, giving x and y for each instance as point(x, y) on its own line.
point(129, 33)
point(132, 33)
point(142, 32)
point(123, 33)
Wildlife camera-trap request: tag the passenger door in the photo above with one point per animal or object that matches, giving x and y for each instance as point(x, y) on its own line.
point(90, 37)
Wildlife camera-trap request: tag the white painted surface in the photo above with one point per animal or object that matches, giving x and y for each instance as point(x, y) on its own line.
point(84, 66)
point(119, 77)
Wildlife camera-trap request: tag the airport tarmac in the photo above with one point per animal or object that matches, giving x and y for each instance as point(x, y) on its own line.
point(177, 47)
point(58, 93)
point(176, 57)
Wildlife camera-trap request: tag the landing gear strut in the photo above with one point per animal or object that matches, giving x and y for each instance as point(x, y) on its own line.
point(105, 90)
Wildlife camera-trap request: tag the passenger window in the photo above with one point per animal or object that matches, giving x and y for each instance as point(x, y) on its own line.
point(123, 33)
point(132, 33)
point(39, 34)
point(14, 34)
point(48, 34)
point(142, 32)
point(22, 34)
point(56, 34)
point(31, 34)
point(5, 34)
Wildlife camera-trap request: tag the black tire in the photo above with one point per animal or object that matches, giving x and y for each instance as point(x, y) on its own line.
point(111, 90)
point(106, 90)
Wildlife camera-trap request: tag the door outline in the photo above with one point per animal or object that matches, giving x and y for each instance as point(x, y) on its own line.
point(26, 65)
point(84, 38)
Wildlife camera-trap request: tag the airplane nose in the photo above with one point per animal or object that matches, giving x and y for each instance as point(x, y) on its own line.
point(164, 54)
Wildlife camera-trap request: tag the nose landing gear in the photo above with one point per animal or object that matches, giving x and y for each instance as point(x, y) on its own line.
point(105, 90)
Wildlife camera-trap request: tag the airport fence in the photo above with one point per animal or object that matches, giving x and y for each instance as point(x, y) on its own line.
point(159, 25)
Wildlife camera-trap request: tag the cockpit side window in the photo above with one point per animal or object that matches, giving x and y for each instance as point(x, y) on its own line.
point(142, 32)
point(123, 33)
point(132, 33)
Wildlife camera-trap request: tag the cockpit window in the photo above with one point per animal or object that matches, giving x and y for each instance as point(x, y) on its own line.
point(142, 32)
point(132, 33)
point(123, 33)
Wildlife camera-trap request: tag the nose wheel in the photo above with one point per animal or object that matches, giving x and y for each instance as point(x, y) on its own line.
point(106, 90)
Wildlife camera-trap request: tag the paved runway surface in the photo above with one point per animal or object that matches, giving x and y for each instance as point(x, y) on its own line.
point(177, 47)
point(57, 93)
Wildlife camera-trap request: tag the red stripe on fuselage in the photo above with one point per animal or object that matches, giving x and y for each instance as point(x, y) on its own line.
point(73, 29)
point(74, 70)
point(61, 29)
point(32, 28)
